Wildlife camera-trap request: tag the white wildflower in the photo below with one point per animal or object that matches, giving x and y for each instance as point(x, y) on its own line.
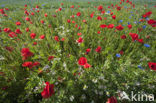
point(94, 80)
point(92, 101)
point(85, 87)
point(72, 98)
point(46, 67)
point(1, 57)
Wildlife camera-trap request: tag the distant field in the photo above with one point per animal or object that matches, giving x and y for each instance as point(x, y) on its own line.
point(12, 2)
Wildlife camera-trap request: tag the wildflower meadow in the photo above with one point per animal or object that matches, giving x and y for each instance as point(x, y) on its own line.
point(77, 51)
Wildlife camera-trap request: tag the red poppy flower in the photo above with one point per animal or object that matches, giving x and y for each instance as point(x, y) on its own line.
point(129, 26)
point(72, 16)
point(42, 21)
point(110, 26)
point(121, 52)
point(37, 6)
point(79, 34)
point(50, 58)
point(79, 28)
point(6, 8)
point(140, 41)
point(25, 52)
point(26, 12)
point(88, 50)
point(102, 12)
point(32, 35)
point(27, 64)
point(12, 34)
point(42, 36)
point(32, 13)
point(100, 8)
point(72, 6)
point(59, 9)
point(147, 14)
point(18, 31)
point(7, 30)
point(91, 15)
point(151, 22)
point(2, 11)
point(152, 66)
point(18, 23)
point(87, 65)
point(78, 14)
point(119, 27)
point(118, 8)
point(98, 32)
point(27, 19)
point(98, 49)
point(10, 49)
point(99, 18)
point(27, 29)
point(84, 21)
point(112, 100)
point(123, 37)
point(127, 1)
point(103, 26)
point(73, 22)
point(48, 90)
point(82, 61)
point(114, 17)
point(80, 40)
point(76, 26)
point(56, 38)
point(5, 15)
point(36, 64)
point(134, 36)
point(45, 14)
point(62, 39)
point(68, 20)
point(34, 43)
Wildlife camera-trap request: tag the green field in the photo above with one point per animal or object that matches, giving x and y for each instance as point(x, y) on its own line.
point(77, 51)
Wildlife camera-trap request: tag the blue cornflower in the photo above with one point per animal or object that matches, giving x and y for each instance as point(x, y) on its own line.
point(3, 5)
point(147, 18)
point(147, 45)
point(108, 11)
point(128, 23)
point(121, 21)
point(135, 22)
point(43, 4)
point(139, 66)
point(125, 7)
point(144, 27)
point(118, 55)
